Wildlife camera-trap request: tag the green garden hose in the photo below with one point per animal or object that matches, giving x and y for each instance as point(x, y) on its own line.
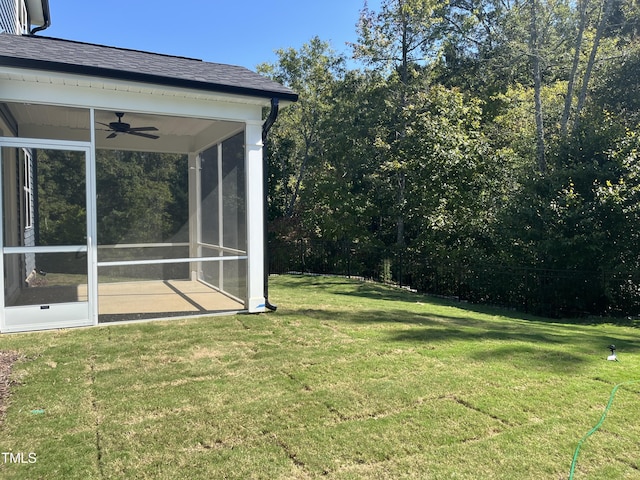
point(598, 425)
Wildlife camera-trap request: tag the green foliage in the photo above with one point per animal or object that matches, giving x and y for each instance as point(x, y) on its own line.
point(142, 197)
point(385, 271)
point(62, 213)
point(402, 33)
point(447, 140)
point(296, 146)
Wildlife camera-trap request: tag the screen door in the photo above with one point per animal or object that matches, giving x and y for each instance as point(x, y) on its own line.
point(45, 235)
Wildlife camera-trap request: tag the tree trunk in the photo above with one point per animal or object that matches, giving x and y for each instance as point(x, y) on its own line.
point(296, 190)
point(574, 68)
point(404, 79)
point(537, 87)
point(606, 10)
point(401, 199)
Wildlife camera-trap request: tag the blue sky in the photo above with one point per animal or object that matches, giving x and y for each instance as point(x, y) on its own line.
point(238, 32)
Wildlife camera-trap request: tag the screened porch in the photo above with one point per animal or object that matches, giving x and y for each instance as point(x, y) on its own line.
point(128, 226)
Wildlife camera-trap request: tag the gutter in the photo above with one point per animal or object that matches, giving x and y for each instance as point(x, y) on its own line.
point(266, 126)
point(46, 14)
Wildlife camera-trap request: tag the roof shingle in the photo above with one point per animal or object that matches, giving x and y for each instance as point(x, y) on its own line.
point(52, 54)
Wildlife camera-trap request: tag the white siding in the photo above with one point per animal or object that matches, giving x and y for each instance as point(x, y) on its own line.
point(13, 17)
point(28, 211)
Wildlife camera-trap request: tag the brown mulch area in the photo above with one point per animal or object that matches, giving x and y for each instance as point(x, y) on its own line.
point(7, 359)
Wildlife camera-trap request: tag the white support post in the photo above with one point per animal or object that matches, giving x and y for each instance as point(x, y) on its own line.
point(220, 216)
point(194, 214)
point(92, 224)
point(2, 286)
point(255, 219)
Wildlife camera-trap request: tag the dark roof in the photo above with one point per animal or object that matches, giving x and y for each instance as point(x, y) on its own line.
point(52, 54)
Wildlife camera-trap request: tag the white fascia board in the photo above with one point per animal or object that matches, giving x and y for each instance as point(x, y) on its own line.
point(74, 90)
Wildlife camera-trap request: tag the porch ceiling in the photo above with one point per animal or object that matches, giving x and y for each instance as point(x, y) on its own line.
point(177, 134)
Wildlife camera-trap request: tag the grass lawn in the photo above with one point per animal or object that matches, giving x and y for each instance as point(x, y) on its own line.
point(346, 380)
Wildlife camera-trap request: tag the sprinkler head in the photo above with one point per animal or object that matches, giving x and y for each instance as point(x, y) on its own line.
point(613, 356)
point(613, 349)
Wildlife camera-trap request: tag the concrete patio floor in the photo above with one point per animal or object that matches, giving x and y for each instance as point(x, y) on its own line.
point(139, 300)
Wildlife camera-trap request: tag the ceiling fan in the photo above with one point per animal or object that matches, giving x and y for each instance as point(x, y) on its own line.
point(122, 127)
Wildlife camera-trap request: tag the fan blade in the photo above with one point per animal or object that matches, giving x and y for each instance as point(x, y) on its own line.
point(143, 129)
point(145, 135)
point(105, 124)
point(113, 135)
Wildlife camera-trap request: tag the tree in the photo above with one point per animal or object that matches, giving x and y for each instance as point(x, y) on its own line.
point(398, 39)
point(142, 196)
point(346, 198)
point(296, 142)
point(454, 180)
point(62, 214)
point(582, 8)
point(602, 24)
point(402, 34)
point(534, 44)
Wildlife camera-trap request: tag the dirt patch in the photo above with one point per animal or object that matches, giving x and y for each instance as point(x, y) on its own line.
point(7, 359)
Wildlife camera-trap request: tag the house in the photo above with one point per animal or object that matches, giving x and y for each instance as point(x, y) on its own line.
point(131, 183)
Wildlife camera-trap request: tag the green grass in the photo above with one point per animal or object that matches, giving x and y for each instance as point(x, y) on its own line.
point(346, 380)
